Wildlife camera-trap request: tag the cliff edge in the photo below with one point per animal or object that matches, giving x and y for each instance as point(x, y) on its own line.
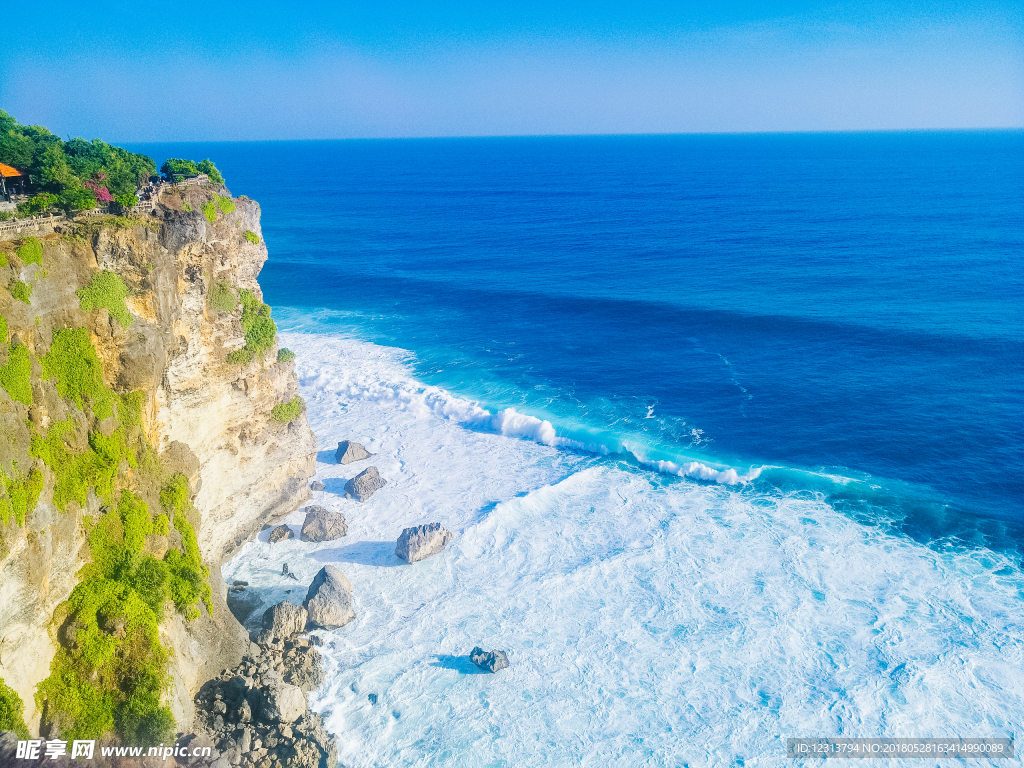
point(148, 428)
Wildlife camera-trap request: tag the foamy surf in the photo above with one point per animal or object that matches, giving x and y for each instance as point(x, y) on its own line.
point(649, 621)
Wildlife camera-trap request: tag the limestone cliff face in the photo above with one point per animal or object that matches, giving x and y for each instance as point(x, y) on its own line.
point(203, 416)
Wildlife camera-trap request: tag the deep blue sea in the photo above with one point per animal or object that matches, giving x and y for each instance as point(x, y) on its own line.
point(755, 380)
point(849, 303)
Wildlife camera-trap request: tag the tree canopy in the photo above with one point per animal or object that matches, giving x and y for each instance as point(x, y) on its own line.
point(77, 172)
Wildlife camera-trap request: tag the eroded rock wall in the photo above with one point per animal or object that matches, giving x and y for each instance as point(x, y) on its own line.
point(205, 417)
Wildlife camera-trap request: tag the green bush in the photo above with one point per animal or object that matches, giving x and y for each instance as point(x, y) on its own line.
point(286, 412)
point(285, 355)
point(16, 373)
point(252, 237)
point(225, 204)
point(161, 526)
point(222, 298)
point(19, 290)
point(186, 208)
point(37, 204)
point(108, 291)
point(260, 329)
point(207, 167)
point(6, 216)
point(127, 200)
point(239, 357)
point(3, 329)
point(3, 259)
point(12, 710)
point(31, 251)
point(76, 199)
point(210, 211)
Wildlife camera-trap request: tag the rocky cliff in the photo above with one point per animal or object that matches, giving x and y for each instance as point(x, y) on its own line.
point(148, 428)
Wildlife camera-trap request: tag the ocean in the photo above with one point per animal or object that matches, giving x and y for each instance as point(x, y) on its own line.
point(728, 428)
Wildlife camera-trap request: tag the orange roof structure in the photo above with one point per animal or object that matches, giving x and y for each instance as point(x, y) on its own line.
point(6, 170)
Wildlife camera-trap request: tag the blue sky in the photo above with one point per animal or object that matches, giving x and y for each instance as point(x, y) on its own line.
point(130, 71)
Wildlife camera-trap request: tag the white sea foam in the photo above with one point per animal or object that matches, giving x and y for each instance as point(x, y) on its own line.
point(649, 621)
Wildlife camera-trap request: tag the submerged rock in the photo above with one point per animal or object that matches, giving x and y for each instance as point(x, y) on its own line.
point(365, 484)
point(492, 661)
point(323, 525)
point(349, 451)
point(280, 533)
point(422, 541)
point(329, 599)
point(282, 621)
point(316, 485)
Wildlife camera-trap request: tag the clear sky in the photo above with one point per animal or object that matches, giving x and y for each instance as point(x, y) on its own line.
point(227, 70)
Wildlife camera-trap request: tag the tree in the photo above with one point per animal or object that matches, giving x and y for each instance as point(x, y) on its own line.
point(175, 169)
point(207, 167)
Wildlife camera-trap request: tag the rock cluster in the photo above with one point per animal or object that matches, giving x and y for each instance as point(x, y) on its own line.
point(323, 525)
point(349, 451)
point(422, 541)
point(365, 484)
point(492, 661)
point(256, 716)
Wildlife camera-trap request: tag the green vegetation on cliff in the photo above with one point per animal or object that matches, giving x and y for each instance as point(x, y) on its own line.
point(110, 672)
point(175, 169)
point(16, 373)
point(285, 355)
point(19, 496)
point(30, 251)
point(106, 291)
point(75, 174)
point(286, 412)
point(19, 290)
point(260, 329)
point(11, 708)
point(252, 237)
point(222, 297)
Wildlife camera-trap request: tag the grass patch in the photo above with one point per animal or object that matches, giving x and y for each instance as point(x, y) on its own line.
point(31, 251)
point(210, 211)
point(108, 291)
point(12, 709)
point(186, 207)
point(222, 298)
point(239, 357)
point(286, 412)
point(285, 355)
point(19, 290)
point(252, 237)
point(225, 204)
point(16, 374)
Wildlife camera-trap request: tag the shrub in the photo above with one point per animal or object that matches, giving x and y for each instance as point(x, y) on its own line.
point(252, 237)
point(108, 291)
point(20, 496)
point(207, 167)
point(285, 355)
point(77, 199)
point(260, 329)
point(16, 373)
point(286, 412)
point(37, 204)
point(12, 710)
point(31, 251)
point(6, 216)
point(222, 298)
point(210, 211)
point(161, 527)
point(3, 259)
point(225, 204)
point(239, 357)
point(186, 208)
point(127, 200)
point(19, 290)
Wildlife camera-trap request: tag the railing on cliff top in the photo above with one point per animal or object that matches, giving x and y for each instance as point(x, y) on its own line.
point(45, 223)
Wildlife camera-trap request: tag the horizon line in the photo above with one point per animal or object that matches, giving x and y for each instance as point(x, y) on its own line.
point(989, 129)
